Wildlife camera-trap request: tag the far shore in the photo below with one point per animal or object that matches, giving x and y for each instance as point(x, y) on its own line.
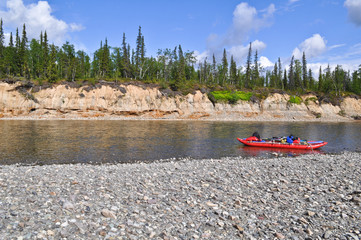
point(140, 118)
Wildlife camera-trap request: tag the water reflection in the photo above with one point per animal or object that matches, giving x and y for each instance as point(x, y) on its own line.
point(48, 142)
point(280, 152)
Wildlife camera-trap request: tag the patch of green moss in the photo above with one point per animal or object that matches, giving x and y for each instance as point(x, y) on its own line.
point(230, 96)
point(295, 99)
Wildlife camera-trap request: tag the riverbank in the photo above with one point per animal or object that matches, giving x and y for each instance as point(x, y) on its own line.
point(309, 196)
point(224, 117)
point(147, 102)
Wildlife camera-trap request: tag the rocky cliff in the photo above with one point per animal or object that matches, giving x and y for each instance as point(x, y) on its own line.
point(128, 101)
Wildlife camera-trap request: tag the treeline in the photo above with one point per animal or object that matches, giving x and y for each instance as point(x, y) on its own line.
point(40, 61)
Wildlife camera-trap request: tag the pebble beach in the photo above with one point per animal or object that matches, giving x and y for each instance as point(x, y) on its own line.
point(311, 196)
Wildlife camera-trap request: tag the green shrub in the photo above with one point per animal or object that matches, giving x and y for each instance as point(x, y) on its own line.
point(295, 99)
point(313, 99)
point(342, 113)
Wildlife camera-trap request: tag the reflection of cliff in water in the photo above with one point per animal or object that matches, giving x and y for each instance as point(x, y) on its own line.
point(59, 141)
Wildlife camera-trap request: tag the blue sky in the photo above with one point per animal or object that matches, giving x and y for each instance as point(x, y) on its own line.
point(328, 31)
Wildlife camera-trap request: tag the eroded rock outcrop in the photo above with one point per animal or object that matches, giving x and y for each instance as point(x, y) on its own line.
point(141, 102)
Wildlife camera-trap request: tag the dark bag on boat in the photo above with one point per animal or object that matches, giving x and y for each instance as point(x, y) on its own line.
point(256, 134)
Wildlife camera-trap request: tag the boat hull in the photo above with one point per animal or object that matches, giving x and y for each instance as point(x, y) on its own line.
point(310, 146)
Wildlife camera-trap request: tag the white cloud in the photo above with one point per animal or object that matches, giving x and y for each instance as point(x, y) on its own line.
point(240, 52)
point(37, 17)
point(354, 11)
point(247, 19)
point(313, 47)
point(201, 56)
point(265, 62)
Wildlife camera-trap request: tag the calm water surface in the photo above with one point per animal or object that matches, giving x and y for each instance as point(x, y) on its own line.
point(66, 141)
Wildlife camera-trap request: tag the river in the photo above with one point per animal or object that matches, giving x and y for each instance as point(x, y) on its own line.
point(90, 141)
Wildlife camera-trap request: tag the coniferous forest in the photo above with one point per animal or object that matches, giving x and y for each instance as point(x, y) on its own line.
point(39, 61)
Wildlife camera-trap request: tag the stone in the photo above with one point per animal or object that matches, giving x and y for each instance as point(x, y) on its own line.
point(107, 213)
point(68, 205)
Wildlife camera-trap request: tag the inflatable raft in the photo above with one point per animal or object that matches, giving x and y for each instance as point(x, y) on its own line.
point(304, 145)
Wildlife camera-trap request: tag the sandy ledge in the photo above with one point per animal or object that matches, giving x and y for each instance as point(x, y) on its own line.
point(307, 197)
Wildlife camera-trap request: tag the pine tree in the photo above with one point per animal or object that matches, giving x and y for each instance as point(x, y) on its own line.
point(247, 82)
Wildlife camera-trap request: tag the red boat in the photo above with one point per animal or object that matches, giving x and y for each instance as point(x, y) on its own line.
point(304, 145)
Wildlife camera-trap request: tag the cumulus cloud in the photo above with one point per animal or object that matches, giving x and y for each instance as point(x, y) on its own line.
point(313, 47)
point(354, 11)
point(265, 62)
point(246, 19)
point(37, 17)
point(240, 52)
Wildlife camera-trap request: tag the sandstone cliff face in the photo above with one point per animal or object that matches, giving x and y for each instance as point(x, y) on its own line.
point(134, 102)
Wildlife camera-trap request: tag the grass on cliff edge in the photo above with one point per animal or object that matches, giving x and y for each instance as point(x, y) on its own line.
point(230, 96)
point(295, 99)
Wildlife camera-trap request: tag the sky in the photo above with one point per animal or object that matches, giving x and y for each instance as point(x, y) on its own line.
point(328, 31)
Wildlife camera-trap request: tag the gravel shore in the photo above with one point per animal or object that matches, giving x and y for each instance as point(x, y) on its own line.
point(306, 197)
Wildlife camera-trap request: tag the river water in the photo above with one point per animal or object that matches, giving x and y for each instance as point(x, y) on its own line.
point(91, 141)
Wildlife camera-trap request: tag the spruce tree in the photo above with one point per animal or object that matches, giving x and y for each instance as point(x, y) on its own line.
point(311, 82)
point(320, 80)
point(105, 60)
point(24, 67)
point(233, 71)
point(51, 66)
point(304, 72)
point(291, 79)
point(279, 77)
point(285, 81)
point(138, 48)
point(17, 57)
point(247, 82)
point(255, 71)
point(214, 68)
point(298, 74)
point(10, 63)
point(2, 49)
point(45, 54)
point(224, 73)
point(125, 58)
point(274, 76)
point(181, 65)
